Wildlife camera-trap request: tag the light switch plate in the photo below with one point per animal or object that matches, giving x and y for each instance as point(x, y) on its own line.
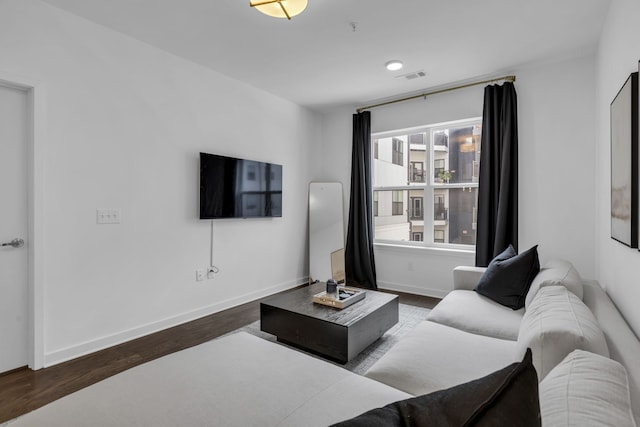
point(108, 216)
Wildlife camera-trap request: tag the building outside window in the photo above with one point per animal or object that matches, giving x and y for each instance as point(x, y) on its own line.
point(440, 164)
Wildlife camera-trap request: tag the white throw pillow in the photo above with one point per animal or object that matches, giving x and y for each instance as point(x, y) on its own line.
point(555, 273)
point(586, 389)
point(556, 323)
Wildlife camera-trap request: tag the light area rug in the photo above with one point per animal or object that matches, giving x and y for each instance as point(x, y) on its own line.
point(409, 317)
point(235, 380)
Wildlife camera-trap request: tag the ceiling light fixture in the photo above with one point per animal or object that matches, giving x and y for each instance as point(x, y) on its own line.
point(394, 65)
point(279, 8)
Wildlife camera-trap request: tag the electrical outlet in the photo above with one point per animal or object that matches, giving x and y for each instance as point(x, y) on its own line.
point(212, 271)
point(200, 274)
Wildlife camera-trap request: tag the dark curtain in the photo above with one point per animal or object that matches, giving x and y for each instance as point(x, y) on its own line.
point(498, 181)
point(360, 265)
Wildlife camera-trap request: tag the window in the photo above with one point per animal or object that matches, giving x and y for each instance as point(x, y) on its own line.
point(438, 169)
point(397, 204)
point(416, 173)
point(251, 172)
point(439, 209)
point(433, 171)
point(416, 208)
point(397, 156)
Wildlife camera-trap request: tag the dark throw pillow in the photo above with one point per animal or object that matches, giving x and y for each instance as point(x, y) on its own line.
point(508, 397)
point(509, 276)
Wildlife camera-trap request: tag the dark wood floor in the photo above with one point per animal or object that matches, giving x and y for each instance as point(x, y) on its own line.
point(24, 390)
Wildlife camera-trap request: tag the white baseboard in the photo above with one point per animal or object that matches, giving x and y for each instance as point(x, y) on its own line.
point(436, 293)
point(92, 346)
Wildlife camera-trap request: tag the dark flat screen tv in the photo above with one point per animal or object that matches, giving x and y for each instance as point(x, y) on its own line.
point(239, 188)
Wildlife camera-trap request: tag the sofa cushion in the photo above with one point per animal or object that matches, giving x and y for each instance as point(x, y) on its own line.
point(555, 272)
point(434, 357)
point(506, 397)
point(586, 389)
point(472, 312)
point(556, 323)
point(508, 277)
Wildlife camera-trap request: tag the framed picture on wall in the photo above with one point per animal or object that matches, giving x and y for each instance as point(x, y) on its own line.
point(624, 163)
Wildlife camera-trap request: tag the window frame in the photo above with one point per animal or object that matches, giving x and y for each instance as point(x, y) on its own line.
point(429, 185)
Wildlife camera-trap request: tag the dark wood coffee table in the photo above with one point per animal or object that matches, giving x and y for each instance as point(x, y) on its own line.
point(336, 334)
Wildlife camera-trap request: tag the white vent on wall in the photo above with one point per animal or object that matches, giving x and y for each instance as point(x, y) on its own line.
point(413, 75)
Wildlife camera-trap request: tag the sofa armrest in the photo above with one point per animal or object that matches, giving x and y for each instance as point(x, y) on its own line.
point(465, 277)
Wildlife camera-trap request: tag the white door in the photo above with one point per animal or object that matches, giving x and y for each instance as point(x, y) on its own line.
point(13, 225)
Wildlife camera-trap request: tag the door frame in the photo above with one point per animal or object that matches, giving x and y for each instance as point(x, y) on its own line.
point(35, 188)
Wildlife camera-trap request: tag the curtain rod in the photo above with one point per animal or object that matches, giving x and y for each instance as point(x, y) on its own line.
point(424, 95)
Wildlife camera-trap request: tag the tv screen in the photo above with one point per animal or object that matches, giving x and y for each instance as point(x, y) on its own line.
point(239, 188)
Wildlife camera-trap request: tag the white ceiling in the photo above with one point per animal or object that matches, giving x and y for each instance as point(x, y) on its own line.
point(317, 59)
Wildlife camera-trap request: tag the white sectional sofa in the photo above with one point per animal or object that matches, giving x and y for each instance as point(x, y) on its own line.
point(467, 335)
point(242, 380)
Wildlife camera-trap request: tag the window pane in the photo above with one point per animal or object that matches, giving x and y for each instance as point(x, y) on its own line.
point(417, 157)
point(456, 154)
point(388, 167)
point(454, 215)
point(392, 222)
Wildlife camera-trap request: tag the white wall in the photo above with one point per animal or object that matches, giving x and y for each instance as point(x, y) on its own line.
point(125, 122)
point(618, 267)
point(556, 154)
point(556, 119)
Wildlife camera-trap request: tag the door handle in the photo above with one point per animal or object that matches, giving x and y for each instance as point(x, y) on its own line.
point(15, 243)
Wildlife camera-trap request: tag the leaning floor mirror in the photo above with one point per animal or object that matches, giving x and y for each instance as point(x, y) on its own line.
point(326, 232)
